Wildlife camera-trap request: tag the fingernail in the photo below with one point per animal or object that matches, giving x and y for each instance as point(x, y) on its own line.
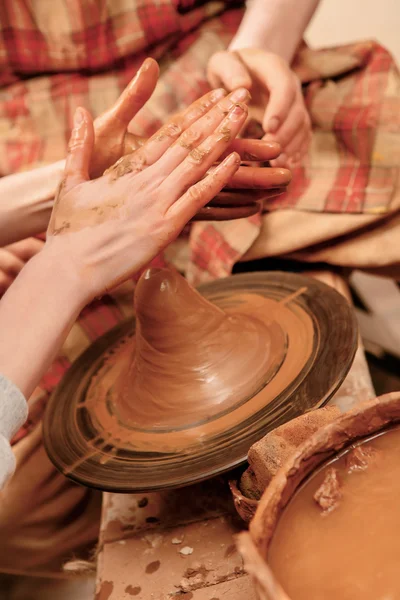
point(236, 112)
point(232, 159)
point(146, 65)
point(273, 125)
point(240, 95)
point(217, 95)
point(79, 117)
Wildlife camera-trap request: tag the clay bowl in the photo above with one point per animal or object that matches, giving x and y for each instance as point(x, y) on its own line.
point(367, 420)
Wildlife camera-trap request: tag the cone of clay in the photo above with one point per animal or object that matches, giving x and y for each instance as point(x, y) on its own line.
point(191, 361)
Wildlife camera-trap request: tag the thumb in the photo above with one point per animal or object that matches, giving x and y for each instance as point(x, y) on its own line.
point(80, 150)
point(282, 88)
point(135, 95)
point(225, 68)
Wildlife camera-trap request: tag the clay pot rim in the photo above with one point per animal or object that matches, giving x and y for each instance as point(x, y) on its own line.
point(364, 420)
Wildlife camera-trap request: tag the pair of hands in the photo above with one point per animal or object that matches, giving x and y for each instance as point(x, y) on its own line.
point(103, 230)
point(112, 140)
point(277, 100)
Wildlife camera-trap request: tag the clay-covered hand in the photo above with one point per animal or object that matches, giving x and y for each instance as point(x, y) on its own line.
point(104, 230)
point(112, 139)
point(263, 181)
point(13, 259)
point(277, 99)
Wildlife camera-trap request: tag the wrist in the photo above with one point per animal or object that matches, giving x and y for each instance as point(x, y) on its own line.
point(58, 277)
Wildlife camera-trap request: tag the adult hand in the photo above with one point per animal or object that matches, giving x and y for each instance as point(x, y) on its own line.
point(277, 99)
point(112, 139)
point(13, 259)
point(104, 230)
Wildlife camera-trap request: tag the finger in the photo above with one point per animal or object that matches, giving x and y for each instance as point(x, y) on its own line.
point(9, 264)
point(198, 195)
point(158, 144)
point(198, 132)
point(133, 142)
point(226, 213)
point(243, 197)
point(5, 282)
point(201, 158)
point(282, 87)
point(136, 94)
point(261, 178)
point(254, 150)
point(226, 69)
point(80, 150)
point(293, 149)
point(25, 249)
point(297, 119)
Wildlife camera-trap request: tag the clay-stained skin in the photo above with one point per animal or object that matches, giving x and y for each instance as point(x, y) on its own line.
point(352, 552)
point(192, 360)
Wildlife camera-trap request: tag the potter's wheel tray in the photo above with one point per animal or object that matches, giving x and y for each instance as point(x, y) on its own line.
point(119, 422)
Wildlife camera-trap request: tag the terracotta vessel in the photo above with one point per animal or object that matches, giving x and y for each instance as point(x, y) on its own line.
point(367, 420)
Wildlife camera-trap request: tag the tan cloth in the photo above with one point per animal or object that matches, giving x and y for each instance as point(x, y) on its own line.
point(45, 519)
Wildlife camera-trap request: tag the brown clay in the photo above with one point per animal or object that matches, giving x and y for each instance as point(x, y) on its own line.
point(342, 524)
point(192, 361)
point(268, 455)
point(202, 378)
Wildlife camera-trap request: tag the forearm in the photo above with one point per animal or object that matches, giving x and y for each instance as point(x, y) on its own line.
point(26, 201)
point(274, 25)
point(36, 315)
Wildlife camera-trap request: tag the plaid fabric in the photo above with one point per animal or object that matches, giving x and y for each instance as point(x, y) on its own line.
point(55, 56)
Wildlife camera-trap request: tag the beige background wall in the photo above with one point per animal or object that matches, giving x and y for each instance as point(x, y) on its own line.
point(342, 21)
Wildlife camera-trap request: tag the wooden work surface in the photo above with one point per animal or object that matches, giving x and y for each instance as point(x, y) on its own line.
point(180, 543)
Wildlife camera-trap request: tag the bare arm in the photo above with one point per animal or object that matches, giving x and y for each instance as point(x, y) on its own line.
point(36, 314)
point(26, 201)
point(274, 25)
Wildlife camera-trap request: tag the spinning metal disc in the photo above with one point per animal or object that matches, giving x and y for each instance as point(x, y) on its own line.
point(318, 339)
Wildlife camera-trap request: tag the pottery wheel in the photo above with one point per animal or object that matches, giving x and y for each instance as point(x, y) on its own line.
point(313, 334)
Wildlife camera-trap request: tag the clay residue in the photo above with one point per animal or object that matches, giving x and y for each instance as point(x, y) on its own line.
point(133, 591)
point(198, 154)
point(153, 567)
point(105, 591)
point(170, 130)
point(189, 139)
point(123, 166)
point(329, 493)
point(63, 228)
point(131, 163)
point(225, 133)
point(359, 458)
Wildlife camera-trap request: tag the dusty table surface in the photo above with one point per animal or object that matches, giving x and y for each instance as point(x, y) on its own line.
point(180, 543)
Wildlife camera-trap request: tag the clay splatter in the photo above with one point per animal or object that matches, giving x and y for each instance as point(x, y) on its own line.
point(133, 591)
point(153, 567)
point(105, 591)
point(143, 502)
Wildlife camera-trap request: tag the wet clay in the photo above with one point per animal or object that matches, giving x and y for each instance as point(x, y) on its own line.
point(338, 539)
point(195, 368)
point(191, 360)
